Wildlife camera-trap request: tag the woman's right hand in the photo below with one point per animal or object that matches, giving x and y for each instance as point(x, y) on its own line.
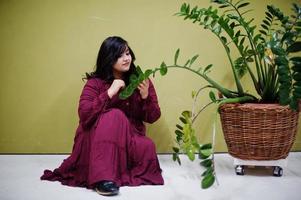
point(115, 87)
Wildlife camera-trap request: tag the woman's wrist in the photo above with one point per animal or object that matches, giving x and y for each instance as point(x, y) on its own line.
point(144, 96)
point(110, 93)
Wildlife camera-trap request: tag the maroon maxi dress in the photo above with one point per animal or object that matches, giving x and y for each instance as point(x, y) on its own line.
point(110, 142)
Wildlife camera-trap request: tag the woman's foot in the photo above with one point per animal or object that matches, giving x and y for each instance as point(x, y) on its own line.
point(107, 188)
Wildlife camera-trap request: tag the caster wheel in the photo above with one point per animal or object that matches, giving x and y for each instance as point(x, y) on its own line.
point(277, 171)
point(240, 170)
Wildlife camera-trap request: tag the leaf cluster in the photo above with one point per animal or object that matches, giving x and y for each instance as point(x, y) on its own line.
point(187, 143)
point(268, 55)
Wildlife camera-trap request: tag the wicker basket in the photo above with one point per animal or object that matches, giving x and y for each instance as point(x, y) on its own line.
point(258, 131)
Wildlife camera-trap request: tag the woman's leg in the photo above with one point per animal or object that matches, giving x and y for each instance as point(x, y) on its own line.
point(108, 155)
point(145, 168)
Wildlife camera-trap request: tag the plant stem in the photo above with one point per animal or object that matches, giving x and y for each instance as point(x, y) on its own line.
point(245, 26)
point(224, 91)
point(237, 100)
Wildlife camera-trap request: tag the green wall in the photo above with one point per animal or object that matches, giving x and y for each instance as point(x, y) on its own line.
point(47, 45)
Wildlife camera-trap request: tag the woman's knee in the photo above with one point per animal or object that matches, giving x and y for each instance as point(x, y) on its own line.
point(115, 113)
point(149, 145)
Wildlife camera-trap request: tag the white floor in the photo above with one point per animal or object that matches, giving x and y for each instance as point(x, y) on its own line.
point(19, 180)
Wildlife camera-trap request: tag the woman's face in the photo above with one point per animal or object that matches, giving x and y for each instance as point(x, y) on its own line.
point(122, 64)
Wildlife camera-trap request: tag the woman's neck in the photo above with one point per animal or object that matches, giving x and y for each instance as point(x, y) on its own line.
point(118, 75)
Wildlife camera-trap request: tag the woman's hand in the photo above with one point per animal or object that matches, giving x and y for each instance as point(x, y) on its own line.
point(143, 88)
point(115, 87)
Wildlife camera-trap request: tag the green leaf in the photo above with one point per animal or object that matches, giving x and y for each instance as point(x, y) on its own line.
point(190, 154)
point(183, 120)
point(178, 160)
point(269, 15)
point(176, 149)
point(206, 163)
point(264, 27)
point(296, 60)
point(139, 71)
point(227, 49)
point(186, 114)
point(174, 156)
point(237, 34)
point(193, 93)
point(281, 60)
point(217, 30)
point(193, 59)
point(296, 47)
point(179, 133)
point(127, 92)
point(212, 96)
point(176, 56)
point(208, 181)
point(250, 59)
point(223, 6)
point(297, 76)
point(187, 9)
point(147, 73)
point(188, 61)
point(288, 36)
point(267, 23)
point(241, 43)
point(140, 78)
point(243, 5)
point(183, 8)
point(207, 68)
point(206, 146)
point(278, 50)
point(206, 152)
point(232, 25)
point(224, 39)
point(263, 32)
point(208, 171)
point(163, 69)
point(256, 38)
point(179, 127)
point(133, 78)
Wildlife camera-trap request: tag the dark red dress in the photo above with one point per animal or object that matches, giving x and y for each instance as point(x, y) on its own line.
point(110, 142)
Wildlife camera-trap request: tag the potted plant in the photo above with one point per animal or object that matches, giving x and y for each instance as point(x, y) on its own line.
point(268, 56)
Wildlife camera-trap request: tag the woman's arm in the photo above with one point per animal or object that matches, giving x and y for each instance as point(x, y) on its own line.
point(150, 108)
point(93, 101)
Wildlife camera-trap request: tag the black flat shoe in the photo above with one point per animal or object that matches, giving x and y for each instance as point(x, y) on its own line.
point(107, 188)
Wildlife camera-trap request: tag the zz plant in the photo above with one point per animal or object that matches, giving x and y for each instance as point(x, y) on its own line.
point(269, 55)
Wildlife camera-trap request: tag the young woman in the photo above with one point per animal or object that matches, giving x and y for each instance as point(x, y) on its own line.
point(110, 147)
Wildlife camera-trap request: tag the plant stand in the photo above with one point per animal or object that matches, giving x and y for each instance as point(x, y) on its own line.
point(277, 165)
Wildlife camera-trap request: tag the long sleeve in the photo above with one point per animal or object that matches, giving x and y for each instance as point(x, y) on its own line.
point(150, 107)
point(93, 101)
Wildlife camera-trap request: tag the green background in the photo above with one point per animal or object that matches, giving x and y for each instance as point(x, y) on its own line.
point(46, 46)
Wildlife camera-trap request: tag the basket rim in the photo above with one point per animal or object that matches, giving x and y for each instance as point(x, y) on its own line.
point(256, 106)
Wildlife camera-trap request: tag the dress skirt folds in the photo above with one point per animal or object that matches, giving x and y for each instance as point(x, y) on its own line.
point(110, 142)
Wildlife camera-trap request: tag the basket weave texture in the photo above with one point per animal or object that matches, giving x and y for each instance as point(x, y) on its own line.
point(258, 131)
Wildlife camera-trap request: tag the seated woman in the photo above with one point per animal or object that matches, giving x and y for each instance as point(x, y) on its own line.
point(110, 147)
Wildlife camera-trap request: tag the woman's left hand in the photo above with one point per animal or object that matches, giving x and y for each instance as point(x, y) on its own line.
point(143, 88)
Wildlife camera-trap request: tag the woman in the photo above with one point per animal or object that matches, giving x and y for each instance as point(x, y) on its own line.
point(110, 147)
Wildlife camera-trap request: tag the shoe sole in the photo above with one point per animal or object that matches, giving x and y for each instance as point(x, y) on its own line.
point(105, 193)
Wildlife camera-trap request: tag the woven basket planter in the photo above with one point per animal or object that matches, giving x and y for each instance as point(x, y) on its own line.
point(258, 131)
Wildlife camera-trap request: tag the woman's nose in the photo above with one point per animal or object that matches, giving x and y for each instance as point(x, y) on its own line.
point(127, 58)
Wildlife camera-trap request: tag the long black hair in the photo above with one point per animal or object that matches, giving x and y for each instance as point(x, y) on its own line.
point(110, 50)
